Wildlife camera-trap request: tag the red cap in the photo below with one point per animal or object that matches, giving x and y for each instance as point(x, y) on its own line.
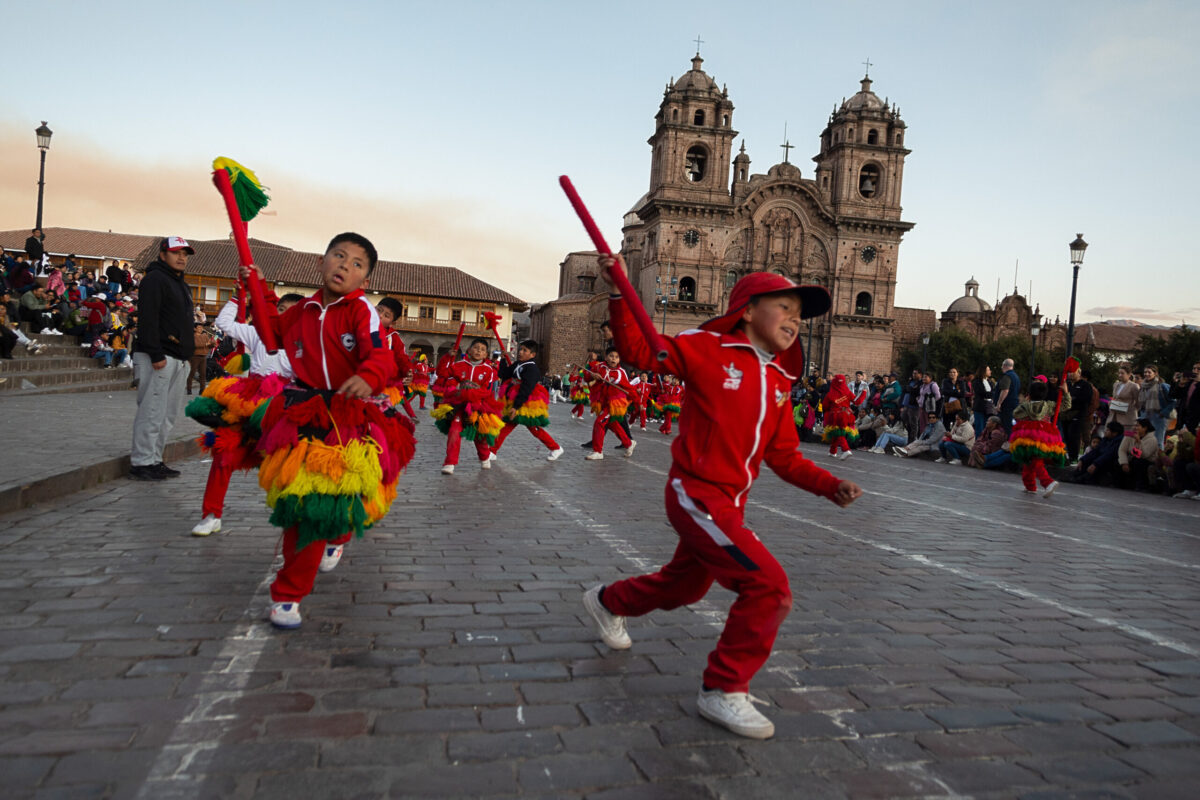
point(814, 302)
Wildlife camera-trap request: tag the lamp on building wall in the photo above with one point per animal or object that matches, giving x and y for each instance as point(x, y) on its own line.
point(1035, 328)
point(43, 134)
point(1078, 247)
point(924, 353)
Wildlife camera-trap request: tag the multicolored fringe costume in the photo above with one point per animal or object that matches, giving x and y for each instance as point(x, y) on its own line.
point(580, 396)
point(1034, 439)
point(536, 411)
point(233, 408)
point(331, 462)
point(478, 411)
point(840, 429)
point(419, 386)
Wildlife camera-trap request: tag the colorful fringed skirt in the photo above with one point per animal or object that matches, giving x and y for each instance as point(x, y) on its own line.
point(1037, 438)
point(419, 385)
point(536, 411)
point(840, 422)
point(331, 462)
point(478, 409)
point(233, 408)
point(579, 394)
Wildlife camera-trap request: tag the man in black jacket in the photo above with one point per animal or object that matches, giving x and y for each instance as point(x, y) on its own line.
point(34, 250)
point(163, 346)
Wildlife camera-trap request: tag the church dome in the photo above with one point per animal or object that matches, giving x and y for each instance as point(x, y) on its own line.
point(695, 78)
point(971, 302)
point(865, 99)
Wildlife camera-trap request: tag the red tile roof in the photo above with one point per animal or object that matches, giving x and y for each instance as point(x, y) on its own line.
point(218, 258)
point(86, 244)
point(1115, 338)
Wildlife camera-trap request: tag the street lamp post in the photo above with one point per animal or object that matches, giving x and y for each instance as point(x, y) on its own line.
point(1077, 249)
point(1034, 329)
point(43, 141)
point(924, 353)
point(662, 299)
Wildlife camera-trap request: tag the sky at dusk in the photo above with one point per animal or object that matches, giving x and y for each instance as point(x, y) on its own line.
point(438, 130)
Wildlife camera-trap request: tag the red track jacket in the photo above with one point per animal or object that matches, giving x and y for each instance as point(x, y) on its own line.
point(738, 413)
point(328, 344)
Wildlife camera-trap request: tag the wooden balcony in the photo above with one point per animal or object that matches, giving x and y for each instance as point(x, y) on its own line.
point(418, 325)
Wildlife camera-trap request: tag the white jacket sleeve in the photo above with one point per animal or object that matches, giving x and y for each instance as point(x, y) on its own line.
point(243, 332)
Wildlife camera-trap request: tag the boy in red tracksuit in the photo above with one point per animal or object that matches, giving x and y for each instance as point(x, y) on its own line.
point(611, 386)
point(389, 310)
point(420, 378)
point(672, 403)
point(333, 343)
point(739, 370)
point(642, 391)
point(465, 382)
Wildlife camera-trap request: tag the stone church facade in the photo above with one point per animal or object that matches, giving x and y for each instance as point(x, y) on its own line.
point(706, 220)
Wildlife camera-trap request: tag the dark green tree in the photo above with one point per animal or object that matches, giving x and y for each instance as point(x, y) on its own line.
point(1175, 353)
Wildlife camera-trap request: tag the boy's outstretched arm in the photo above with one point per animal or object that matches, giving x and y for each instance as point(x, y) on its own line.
point(632, 345)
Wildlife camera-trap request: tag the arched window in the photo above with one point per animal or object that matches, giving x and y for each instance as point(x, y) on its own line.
point(872, 136)
point(862, 304)
point(698, 119)
point(850, 135)
point(725, 121)
point(868, 181)
point(697, 161)
point(731, 277)
point(742, 174)
point(898, 138)
point(674, 115)
point(687, 290)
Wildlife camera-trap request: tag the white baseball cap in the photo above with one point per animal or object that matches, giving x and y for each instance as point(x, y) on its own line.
point(174, 243)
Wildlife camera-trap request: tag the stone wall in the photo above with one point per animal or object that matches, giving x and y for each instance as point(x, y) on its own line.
point(909, 324)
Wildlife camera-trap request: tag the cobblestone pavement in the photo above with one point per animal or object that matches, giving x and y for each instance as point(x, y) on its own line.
point(950, 637)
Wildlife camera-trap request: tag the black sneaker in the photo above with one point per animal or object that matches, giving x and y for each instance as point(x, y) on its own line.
point(149, 473)
point(166, 471)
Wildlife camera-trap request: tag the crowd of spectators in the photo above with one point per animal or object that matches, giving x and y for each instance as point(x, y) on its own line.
point(1138, 434)
point(97, 308)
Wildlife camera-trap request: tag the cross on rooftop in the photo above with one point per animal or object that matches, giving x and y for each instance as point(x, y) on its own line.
point(699, 42)
point(867, 63)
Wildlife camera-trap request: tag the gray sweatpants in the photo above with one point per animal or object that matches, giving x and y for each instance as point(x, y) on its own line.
point(160, 399)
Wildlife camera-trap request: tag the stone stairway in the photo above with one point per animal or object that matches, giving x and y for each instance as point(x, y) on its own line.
point(62, 367)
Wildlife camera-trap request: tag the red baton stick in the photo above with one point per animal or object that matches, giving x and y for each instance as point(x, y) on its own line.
point(652, 337)
point(258, 300)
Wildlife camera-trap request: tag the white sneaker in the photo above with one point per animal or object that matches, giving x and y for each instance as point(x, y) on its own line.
point(285, 615)
point(206, 526)
point(1184, 495)
point(954, 462)
point(1050, 489)
point(610, 627)
point(447, 469)
point(843, 455)
point(629, 450)
point(1029, 491)
point(643, 427)
point(554, 454)
point(594, 456)
point(333, 554)
point(486, 463)
point(939, 460)
point(733, 710)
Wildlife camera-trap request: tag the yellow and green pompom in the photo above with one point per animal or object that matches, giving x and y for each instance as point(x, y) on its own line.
point(249, 194)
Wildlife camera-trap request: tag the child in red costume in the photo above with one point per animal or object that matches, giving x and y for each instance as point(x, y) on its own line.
point(643, 391)
point(841, 432)
point(526, 400)
point(390, 309)
point(331, 454)
point(420, 378)
point(1036, 438)
point(233, 446)
point(671, 402)
point(580, 395)
point(469, 410)
point(739, 413)
point(611, 390)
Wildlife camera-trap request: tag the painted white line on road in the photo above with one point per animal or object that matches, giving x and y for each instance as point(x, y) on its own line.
point(172, 772)
point(975, 517)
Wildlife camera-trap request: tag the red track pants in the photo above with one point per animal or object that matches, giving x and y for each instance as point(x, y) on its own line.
point(538, 433)
point(605, 421)
point(454, 442)
point(1035, 471)
point(666, 426)
point(714, 547)
point(839, 443)
point(294, 581)
point(577, 410)
point(218, 483)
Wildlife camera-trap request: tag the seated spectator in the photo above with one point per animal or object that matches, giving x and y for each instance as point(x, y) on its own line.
point(36, 310)
point(102, 351)
point(1101, 461)
point(931, 436)
point(120, 349)
point(870, 427)
point(77, 322)
point(988, 451)
point(1141, 452)
point(1184, 484)
point(21, 278)
point(956, 448)
point(895, 433)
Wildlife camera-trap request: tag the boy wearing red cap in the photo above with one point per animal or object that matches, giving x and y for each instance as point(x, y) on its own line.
point(739, 369)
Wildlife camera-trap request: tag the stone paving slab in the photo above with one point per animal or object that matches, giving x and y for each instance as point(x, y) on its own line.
point(59, 444)
point(950, 637)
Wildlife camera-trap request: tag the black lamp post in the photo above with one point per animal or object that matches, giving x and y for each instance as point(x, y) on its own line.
point(1077, 250)
point(662, 299)
point(924, 353)
point(1035, 328)
point(43, 139)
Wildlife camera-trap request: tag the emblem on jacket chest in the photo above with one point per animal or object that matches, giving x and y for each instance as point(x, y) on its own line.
point(733, 377)
point(299, 349)
point(348, 341)
point(780, 397)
